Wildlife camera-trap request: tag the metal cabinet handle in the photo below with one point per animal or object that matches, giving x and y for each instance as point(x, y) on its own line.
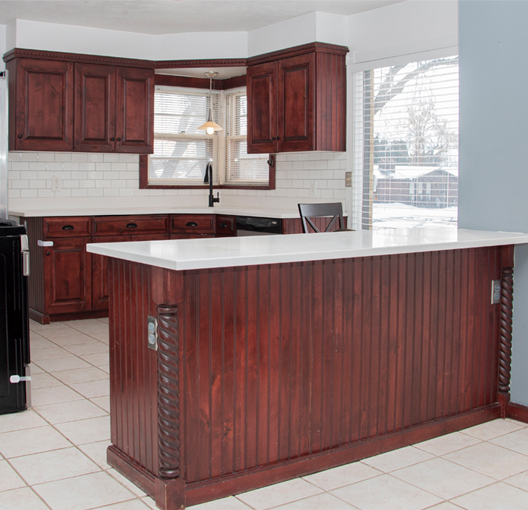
point(119, 139)
point(68, 227)
point(19, 136)
point(112, 139)
point(191, 224)
point(223, 225)
point(48, 253)
point(132, 225)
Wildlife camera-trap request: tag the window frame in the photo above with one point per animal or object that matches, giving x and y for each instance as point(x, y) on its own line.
point(194, 84)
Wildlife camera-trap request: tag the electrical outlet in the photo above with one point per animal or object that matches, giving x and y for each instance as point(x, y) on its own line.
point(56, 184)
point(313, 189)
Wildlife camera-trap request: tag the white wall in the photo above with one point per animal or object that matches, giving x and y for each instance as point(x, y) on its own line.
point(3, 35)
point(411, 30)
point(493, 164)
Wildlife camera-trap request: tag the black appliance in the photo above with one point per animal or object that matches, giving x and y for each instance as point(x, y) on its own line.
point(14, 321)
point(251, 226)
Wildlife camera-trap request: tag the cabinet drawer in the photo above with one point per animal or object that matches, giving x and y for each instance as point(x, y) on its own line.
point(78, 226)
point(193, 223)
point(130, 225)
point(225, 226)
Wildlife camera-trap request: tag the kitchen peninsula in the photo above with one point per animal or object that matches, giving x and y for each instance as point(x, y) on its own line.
point(273, 357)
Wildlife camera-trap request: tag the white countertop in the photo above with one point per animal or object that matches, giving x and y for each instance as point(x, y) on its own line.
point(274, 249)
point(108, 211)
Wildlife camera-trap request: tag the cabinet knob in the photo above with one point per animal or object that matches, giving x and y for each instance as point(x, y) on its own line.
point(112, 139)
point(119, 139)
point(273, 138)
point(19, 136)
point(48, 253)
point(278, 137)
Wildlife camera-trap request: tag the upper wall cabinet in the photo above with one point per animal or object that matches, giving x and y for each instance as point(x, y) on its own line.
point(114, 109)
point(86, 107)
point(297, 100)
point(41, 105)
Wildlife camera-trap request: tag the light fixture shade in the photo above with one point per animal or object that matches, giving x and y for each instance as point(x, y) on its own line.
point(211, 127)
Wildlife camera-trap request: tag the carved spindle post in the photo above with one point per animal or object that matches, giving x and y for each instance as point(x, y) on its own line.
point(505, 347)
point(168, 392)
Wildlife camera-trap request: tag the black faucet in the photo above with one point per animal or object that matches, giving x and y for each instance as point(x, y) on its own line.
point(209, 179)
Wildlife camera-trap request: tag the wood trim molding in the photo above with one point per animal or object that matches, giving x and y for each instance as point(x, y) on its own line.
point(517, 412)
point(170, 80)
point(168, 392)
point(505, 336)
point(144, 184)
point(183, 64)
point(296, 51)
point(76, 57)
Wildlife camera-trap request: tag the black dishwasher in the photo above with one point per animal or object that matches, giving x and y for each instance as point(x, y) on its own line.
point(14, 321)
point(253, 226)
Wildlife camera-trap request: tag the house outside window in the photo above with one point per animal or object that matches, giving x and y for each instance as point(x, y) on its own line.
point(181, 151)
point(406, 145)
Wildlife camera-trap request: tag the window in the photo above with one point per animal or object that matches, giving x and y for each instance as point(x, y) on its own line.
point(406, 145)
point(181, 151)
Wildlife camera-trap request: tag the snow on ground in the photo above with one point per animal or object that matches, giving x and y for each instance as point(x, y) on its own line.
point(408, 216)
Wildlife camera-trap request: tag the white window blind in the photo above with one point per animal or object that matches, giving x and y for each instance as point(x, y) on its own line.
point(406, 145)
point(241, 168)
point(181, 151)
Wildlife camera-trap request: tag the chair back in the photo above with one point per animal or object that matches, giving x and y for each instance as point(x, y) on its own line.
point(333, 210)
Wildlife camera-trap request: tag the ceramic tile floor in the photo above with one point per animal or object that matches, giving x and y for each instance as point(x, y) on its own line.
point(54, 456)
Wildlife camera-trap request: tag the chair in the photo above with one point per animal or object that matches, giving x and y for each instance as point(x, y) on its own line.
point(333, 210)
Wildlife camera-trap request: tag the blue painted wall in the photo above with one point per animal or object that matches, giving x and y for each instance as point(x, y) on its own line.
point(493, 180)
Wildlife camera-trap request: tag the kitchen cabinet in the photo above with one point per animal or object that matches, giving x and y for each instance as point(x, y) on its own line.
point(225, 226)
point(41, 105)
point(114, 109)
point(68, 106)
point(192, 226)
point(298, 103)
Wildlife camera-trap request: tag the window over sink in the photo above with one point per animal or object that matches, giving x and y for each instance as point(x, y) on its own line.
point(181, 151)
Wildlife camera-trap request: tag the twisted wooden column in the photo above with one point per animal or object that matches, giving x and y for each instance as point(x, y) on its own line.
point(168, 392)
point(506, 313)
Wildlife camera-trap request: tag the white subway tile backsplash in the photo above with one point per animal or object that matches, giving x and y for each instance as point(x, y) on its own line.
point(79, 192)
point(63, 156)
point(28, 193)
point(45, 193)
point(20, 165)
point(37, 183)
point(19, 184)
point(79, 157)
point(45, 156)
point(117, 175)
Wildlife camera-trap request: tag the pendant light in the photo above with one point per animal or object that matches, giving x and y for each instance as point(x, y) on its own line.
point(210, 126)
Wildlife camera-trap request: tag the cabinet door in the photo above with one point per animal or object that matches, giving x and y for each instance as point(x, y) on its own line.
point(43, 106)
point(135, 110)
point(94, 129)
point(296, 103)
point(262, 108)
point(100, 266)
point(67, 276)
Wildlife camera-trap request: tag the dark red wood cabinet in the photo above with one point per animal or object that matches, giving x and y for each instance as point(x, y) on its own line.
point(298, 103)
point(66, 106)
point(41, 102)
point(114, 109)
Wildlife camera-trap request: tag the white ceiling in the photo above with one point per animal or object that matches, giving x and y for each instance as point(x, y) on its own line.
point(176, 16)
